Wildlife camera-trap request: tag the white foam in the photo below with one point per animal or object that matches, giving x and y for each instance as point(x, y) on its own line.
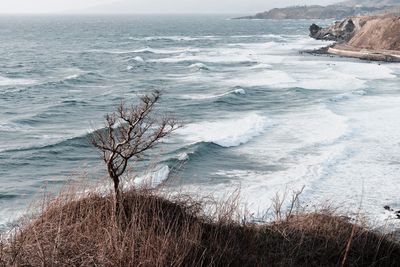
point(305, 146)
point(199, 66)
point(72, 76)
point(272, 78)
point(183, 157)
point(141, 50)
point(4, 81)
point(239, 91)
point(336, 75)
point(217, 55)
point(267, 36)
point(262, 66)
point(366, 71)
point(177, 38)
point(138, 59)
point(154, 178)
point(328, 79)
point(227, 132)
point(65, 74)
point(13, 127)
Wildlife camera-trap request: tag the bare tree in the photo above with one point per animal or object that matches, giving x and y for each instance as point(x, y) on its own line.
point(129, 133)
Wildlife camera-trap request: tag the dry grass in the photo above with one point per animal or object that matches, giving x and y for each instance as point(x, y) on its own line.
point(81, 231)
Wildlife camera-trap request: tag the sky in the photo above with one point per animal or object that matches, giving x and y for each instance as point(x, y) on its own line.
point(147, 6)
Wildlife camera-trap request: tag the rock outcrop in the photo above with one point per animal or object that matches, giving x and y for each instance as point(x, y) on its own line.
point(368, 37)
point(341, 31)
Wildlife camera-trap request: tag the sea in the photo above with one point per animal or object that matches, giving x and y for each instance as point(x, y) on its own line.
point(258, 116)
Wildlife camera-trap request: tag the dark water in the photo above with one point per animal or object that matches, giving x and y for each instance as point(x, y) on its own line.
point(258, 115)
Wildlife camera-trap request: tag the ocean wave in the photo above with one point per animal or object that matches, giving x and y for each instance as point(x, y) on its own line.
point(151, 179)
point(5, 81)
point(138, 59)
point(238, 91)
point(174, 38)
point(12, 127)
point(220, 55)
point(226, 133)
point(135, 61)
point(8, 196)
point(58, 76)
point(271, 78)
point(67, 75)
point(348, 96)
point(73, 102)
point(199, 66)
point(145, 50)
point(71, 77)
point(189, 153)
point(183, 156)
point(267, 36)
point(48, 142)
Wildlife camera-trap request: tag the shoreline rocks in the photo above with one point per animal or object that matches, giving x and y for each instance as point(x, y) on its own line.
point(341, 31)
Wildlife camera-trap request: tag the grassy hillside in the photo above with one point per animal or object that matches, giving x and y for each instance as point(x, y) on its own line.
point(156, 231)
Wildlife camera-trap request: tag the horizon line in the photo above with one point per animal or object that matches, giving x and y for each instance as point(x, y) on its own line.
point(123, 13)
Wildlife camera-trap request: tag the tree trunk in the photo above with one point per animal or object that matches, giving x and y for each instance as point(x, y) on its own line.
point(118, 200)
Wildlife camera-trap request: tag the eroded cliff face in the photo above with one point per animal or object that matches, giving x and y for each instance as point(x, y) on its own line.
point(378, 33)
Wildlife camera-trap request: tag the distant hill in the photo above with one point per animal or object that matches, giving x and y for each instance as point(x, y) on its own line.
point(372, 3)
point(313, 12)
point(336, 11)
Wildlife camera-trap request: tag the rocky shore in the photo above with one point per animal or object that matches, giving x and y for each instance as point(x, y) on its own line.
point(374, 37)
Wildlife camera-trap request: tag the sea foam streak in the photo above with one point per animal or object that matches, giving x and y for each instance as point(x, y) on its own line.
point(174, 38)
point(136, 51)
point(226, 133)
point(199, 66)
point(238, 91)
point(4, 81)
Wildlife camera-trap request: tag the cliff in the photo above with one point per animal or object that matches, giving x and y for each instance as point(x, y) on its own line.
point(368, 37)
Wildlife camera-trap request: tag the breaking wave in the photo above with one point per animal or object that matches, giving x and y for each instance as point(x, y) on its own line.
point(237, 92)
point(226, 133)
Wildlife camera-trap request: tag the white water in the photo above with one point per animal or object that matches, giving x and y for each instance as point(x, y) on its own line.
point(226, 132)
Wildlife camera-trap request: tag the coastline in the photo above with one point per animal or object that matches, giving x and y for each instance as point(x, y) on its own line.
point(343, 50)
point(365, 54)
point(372, 38)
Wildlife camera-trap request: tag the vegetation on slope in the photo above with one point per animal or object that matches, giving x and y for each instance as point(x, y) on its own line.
point(159, 231)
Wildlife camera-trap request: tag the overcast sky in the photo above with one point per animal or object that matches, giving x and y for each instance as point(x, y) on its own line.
point(147, 6)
